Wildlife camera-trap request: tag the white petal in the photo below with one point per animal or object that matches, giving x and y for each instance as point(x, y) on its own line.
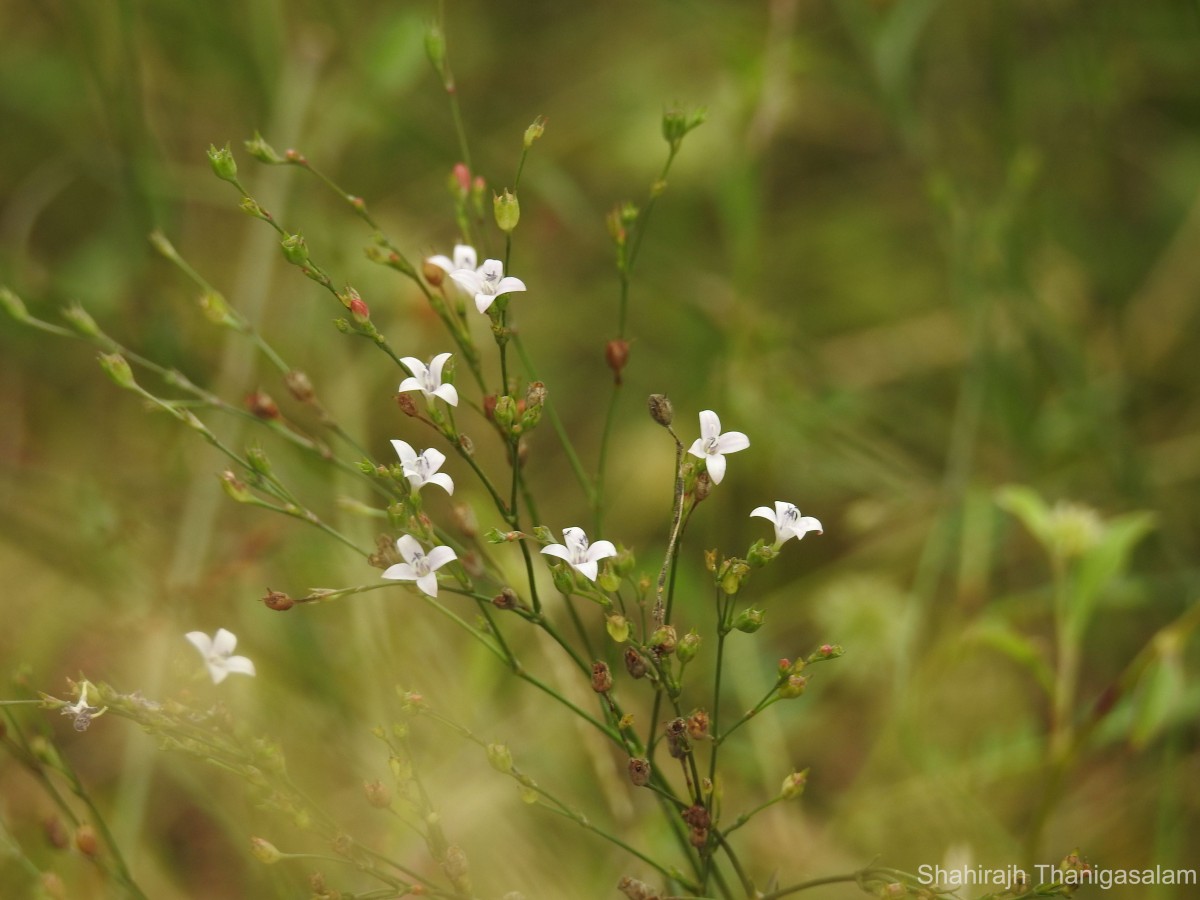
point(467, 280)
point(224, 642)
point(200, 641)
point(449, 393)
point(587, 570)
point(443, 262)
point(574, 536)
point(764, 513)
point(428, 584)
point(716, 467)
point(410, 384)
point(509, 284)
point(413, 365)
point(732, 441)
point(400, 572)
point(710, 425)
point(434, 457)
point(601, 550)
point(218, 671)
point(807, 524)
point(697, 448)
point(484, 301)
point(557, 550)
point(436, 365)
point(405, 451)
point(409, 547)
point(464, 256)
point(240, 664)
point(439, 556)
point(442, 480)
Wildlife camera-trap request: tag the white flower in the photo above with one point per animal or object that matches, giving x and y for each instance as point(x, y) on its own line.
point(79, 711)
point(581, 556)
point(418, 565)
point(788, 522)
point(422, 468)
point(712, 446)
point(487, 282)
point(428, 380)
point(218, 654)
point(464, 258)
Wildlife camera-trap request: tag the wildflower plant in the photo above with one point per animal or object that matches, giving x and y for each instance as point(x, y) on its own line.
point(633, 642)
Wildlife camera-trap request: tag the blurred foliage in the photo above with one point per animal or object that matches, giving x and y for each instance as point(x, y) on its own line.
point(919, 251)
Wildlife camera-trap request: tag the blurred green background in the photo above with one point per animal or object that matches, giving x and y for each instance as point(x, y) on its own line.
point(919, 251)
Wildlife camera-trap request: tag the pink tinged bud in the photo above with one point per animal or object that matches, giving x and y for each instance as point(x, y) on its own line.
point(359, 311)
point(264, 851)
point(793, 785)
point(462, 178)
point(262, 406)
point(299, 385)
point(616, 354)
point(793, 687)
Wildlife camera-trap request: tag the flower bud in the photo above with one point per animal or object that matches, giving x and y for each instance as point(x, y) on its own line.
point(295, 250)
point(435, 47)
point(257, 457)
point(676, 124)
point(828, 651)
point(616, 228)
point(617, 627)
point(264, 851)
point(507, 210)
point(500, 758)
point(79, 319)
point(639, 771)
point(460, 180)
point(698, 724)
point(235, 488)
point(661, 410)
point(433, 274)
point(56, 832)
point(601, 678)
point(86, 841)
point(793, 687)
point(793, 785)
point(117, 368)
point(760, 554)
point(635, 663)
point(261, 150)
point(535, 131)
point(535, 400)
point(735, 571)
point(893, 890)
point(616, 354)
point(223, 164)
point(13, 305)
point(505, 411)
point(663, 641)
point(689, 645)
point(608, 580)
point(278, 601)
point(359, 310)
point(378, 794)
point(299, 385)
point(261, 406)
point(564, 581)
point(749, 621)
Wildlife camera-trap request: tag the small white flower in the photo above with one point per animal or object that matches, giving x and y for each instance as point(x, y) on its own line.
point(81, 714)
point(712, 446)
point(788, 522)
point(487, 282)
point(422, 468)
point(428, 380)
point(464, 258)
point(418, 565)
point(581, 556)
point(218, 654)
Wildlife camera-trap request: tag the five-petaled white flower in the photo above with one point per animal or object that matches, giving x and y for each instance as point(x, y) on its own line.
point(418, 565)
point(422, 468)
point(487, 282)
point(81, 714)
point(712, 446)
point(218, 654)
point(788, 522)
point(581, 556)
point(428, 380)
point(464, 258)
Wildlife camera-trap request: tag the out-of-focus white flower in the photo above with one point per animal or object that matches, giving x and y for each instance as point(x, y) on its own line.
point(218, 654)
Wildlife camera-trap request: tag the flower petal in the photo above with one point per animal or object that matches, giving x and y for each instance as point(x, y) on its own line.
point(413, 365)
point(409, 547)
point(449, 393)
point(218, 671)
point(697, 448)
point(710, 425)
point(444, 263)
point(404, 450)
point(200, 641)
point(575, 537)
point(410, 384)
point(400, 572)
point(484, 301)
point(732, 442)
point(439, 556)
point(807, 524)
point(716, 467)
point(223, 643)
point(464, 256)
point(442, 480)
point(467, 280)
point(434, 457)
point(508, 284)
point(764, 513)
point(557, 550)
point(428, 584)
point(436, 364)
point(601, 550)
point(240, 664)
point(586, 569)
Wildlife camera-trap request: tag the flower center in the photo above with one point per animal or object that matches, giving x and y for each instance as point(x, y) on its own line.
point(710, 446)
point(420, 565)
point(579, 551)
point(491, 275)
point(790, 516)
